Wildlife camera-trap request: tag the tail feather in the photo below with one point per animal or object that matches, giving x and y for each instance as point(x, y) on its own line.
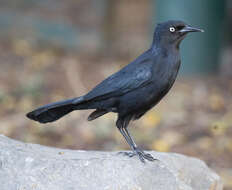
point(54, 111)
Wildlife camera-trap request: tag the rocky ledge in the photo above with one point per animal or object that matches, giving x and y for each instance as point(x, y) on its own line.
point(34, 167)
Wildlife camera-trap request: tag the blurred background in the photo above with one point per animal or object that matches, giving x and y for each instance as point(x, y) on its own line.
point(53, 49)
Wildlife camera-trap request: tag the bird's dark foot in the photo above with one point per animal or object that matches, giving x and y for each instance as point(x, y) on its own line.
point(142, 155)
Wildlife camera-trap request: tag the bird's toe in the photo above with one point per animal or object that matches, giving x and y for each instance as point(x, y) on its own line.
point(145, 155)
point(149, 157)
point(130, 154)
point(141, 154)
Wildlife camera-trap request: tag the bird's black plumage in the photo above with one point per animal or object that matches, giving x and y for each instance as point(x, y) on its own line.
point(133, 90)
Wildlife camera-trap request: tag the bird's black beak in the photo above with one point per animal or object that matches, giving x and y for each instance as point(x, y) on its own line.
point(188, 29)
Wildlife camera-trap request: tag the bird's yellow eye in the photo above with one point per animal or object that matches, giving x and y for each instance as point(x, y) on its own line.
point(172, 29)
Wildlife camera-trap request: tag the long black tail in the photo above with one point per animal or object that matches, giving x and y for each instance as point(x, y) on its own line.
point(52, 112)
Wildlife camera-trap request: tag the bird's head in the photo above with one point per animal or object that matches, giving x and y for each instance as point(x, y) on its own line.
point(172, 32)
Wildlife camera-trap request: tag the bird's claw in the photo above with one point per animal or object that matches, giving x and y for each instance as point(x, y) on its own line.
point(142, 155)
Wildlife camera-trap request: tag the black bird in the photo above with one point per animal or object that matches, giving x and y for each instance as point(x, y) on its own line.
point(134, 89)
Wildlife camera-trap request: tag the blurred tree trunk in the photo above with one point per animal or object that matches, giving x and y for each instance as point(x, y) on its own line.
point(127, 26)
point(226, 56)
point(109, 26)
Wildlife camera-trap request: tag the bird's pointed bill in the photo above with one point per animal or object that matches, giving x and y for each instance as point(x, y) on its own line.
point(187, 29)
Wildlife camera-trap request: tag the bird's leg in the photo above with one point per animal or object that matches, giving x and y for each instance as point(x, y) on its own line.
point(122, 126)
point(121, 123)
point(129, 136)
point(133, 147)
point(138, 151)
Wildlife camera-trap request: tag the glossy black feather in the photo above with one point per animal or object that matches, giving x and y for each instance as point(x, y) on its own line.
point(135, 75)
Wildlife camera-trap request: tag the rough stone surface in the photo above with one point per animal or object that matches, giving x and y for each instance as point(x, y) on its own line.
point(35, 167)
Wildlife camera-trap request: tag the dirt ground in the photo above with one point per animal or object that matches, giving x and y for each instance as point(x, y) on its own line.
point(194, 119)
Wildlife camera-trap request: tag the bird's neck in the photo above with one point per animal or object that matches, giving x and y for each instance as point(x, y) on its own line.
point(170, 48)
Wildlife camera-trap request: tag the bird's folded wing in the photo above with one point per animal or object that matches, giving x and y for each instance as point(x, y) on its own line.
point(124, 81)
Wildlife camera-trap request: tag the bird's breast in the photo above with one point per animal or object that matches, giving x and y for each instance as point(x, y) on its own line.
point(164, 77)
